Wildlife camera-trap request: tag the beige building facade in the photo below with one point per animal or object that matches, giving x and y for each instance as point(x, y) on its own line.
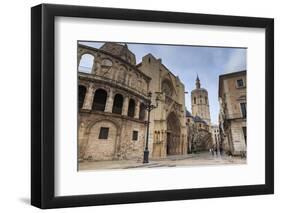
point(233, 112)
point(113, 96)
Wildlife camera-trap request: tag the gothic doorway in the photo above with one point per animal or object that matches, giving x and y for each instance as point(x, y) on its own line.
point(173, 135)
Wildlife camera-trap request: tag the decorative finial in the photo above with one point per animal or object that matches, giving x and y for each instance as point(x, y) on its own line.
point(197, 82)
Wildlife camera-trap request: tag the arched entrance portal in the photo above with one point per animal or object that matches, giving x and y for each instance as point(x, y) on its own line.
point(173, 135)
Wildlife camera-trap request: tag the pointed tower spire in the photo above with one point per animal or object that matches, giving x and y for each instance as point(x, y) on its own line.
point(197, 82)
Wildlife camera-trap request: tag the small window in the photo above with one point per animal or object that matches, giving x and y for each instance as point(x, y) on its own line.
point(135, 136)
point(103, 133)
point(240, 83)
point(194, 100)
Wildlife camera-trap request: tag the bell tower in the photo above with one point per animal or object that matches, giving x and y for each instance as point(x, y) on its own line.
point(200, 102)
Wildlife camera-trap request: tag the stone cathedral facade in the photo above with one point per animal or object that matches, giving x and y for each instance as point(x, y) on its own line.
point(112, 116)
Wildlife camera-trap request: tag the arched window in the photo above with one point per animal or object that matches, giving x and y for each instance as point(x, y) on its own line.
point(131, 108)
point(99, 100)
point(167, 87)
point(117, 104)
point(142, 111)
point(86, 63)
point(194, 100)
point(206, 100)
point(81, 94)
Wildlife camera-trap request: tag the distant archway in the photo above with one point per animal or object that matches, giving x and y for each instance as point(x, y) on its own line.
point(173, 135)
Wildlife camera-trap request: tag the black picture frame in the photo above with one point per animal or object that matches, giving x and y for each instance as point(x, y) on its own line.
point(43, 105)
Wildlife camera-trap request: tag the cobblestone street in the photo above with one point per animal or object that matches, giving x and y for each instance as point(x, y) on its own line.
point(202, 159)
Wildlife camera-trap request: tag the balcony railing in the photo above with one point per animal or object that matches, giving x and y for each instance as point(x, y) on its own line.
point(117, 110)
point(98, 107)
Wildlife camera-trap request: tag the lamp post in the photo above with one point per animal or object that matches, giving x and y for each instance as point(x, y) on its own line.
point(149, 107)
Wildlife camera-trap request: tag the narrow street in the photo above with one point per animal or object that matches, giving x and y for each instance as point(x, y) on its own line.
point(200, 159)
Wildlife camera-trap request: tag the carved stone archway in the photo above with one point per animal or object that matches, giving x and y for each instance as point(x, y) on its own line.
point(173, 135)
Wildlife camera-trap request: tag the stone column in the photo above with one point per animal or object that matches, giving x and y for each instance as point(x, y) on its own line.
point(127, 79)
point(137, 110)
point(89, 97)
point(109, 102)
point(125, 106)
point(95, 65)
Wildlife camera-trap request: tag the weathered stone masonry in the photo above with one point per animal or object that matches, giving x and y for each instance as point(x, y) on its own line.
point(112, 98)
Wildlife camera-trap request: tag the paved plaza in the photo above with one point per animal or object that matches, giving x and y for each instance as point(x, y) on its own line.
point(203, 159)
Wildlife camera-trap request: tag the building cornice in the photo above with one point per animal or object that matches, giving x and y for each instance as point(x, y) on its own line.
point(112, 83)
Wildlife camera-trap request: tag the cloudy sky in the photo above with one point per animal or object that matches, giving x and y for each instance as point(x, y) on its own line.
point(188, 61)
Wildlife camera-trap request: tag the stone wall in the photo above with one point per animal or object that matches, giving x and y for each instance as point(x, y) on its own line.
point(119, 144)
point(115, 69)
point(238, 140)
point(115, 73)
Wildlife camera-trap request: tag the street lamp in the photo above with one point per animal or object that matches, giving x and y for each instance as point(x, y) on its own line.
point(148, 107)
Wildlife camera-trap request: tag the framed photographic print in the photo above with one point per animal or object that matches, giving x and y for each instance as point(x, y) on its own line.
point(139, 106)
